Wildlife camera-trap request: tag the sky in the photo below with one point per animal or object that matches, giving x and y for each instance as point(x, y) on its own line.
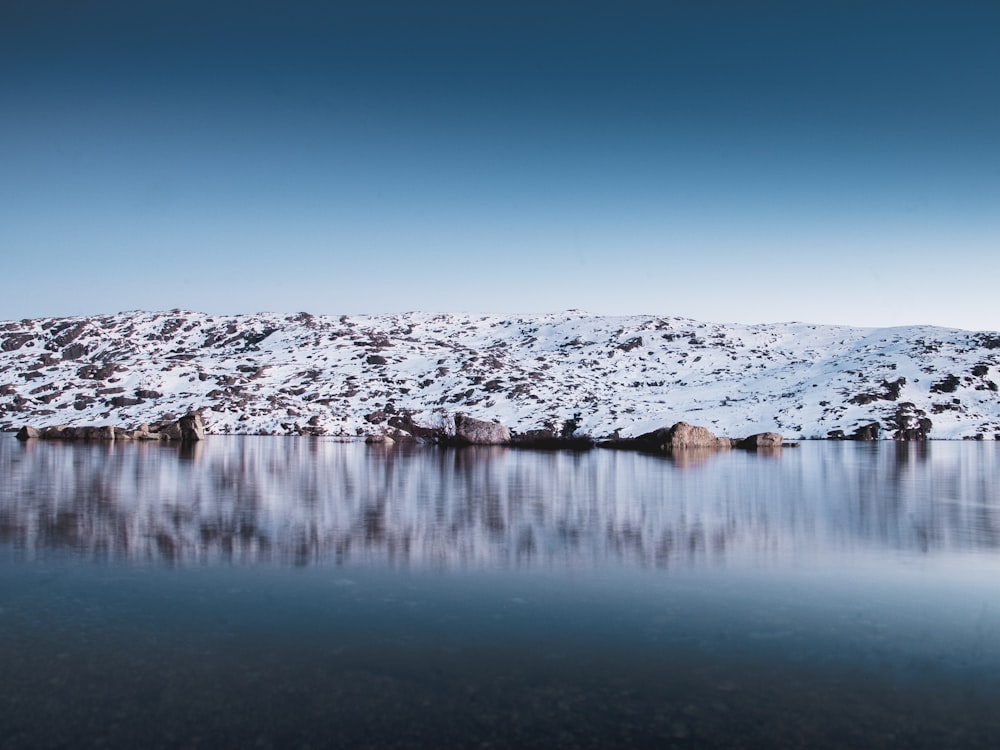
point(727, 160)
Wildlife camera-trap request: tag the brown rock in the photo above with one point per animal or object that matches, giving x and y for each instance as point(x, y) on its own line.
point(469, 431)
point(683, 435)
point(680, 437)
point(761, 440)
point(169, 432)
point(192, 427)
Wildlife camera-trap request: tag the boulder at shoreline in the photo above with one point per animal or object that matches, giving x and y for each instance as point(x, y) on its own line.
point(188, 429)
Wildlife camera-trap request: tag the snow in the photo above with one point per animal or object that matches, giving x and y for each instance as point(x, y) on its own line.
point(289, 374)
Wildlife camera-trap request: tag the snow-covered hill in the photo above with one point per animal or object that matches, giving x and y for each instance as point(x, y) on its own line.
point(292, 374)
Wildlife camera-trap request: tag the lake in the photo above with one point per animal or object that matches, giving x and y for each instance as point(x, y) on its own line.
point(306, 593)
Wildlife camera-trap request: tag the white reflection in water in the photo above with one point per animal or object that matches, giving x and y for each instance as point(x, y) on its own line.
point(308, 501)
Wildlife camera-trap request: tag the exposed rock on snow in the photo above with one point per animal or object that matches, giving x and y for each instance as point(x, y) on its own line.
point(410, 374)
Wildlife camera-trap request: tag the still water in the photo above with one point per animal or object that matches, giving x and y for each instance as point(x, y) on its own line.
point(304, 593)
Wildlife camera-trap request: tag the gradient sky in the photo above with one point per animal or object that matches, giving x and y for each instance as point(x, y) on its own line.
point(737, 161)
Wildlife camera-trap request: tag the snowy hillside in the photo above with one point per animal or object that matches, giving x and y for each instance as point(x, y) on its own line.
point(295, 374)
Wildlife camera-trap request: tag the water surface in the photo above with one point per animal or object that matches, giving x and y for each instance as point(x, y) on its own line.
point(306, 593)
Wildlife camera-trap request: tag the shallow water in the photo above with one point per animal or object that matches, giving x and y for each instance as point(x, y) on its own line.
point(305, 593)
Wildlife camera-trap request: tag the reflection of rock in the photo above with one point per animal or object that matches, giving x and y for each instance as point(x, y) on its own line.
point(690, 458)
point(314, 501)
point(469, 431)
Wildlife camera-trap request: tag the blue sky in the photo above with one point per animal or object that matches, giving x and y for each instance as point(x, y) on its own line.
point(729, 161)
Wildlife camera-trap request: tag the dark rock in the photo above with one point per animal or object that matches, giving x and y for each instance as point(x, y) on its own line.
point(633, 343)
point(96, 433)
point(549, 440)
point(680, 436)
point(988, 341)
point(910, 423)
point(533, 435)
point(144, 393)
point(867, 432)
point(95, 372)
point(168, 432)
point(405, 423)
point(119, 402)
point(863, 399)
point(252, 339)
point(75, 351)
point(66, 333)
point(376, 359)
point(58, 432)
point(948, 384)
point(82, 402)
point(28, 433)
point(16, 341)
point(192, 428)
point(889, 391)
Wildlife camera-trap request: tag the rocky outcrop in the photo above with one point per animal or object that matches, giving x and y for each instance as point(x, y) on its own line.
point(28, 432)
point(546, 439)
point(469, 431)
point(681, 436)
point(403, 422)
point(867, 432)
point(188, 429)
point(191, 427)
point(761, 440)
point(910, 423)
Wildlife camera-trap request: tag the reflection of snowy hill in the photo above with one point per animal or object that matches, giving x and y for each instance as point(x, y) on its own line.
point(320, 501)
point(281, 374)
